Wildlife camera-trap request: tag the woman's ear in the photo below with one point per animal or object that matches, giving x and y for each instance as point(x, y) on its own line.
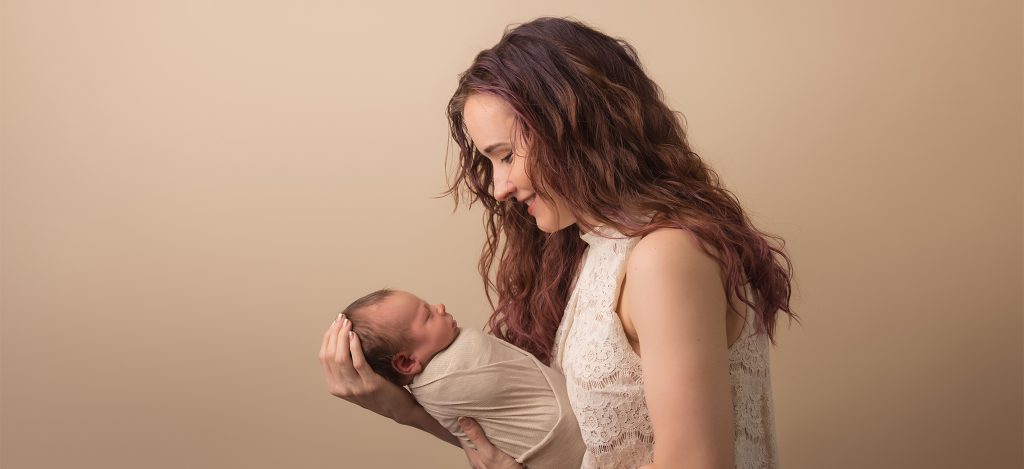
point(406, 364)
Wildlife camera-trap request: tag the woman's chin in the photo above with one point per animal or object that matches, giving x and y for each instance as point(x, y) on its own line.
point(551, 226)
point(545, 229)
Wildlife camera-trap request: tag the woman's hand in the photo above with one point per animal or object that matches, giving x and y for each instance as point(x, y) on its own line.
point(351, 378)
point(486, 455)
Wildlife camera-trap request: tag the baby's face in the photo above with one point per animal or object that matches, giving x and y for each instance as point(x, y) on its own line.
point(428, 327)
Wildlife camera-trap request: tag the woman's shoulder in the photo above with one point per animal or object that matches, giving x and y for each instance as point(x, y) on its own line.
point(671, 284)
point(669, 263)
point(670, 248)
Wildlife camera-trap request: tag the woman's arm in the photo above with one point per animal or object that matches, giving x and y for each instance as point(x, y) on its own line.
point(351, 378)
point(676, 300)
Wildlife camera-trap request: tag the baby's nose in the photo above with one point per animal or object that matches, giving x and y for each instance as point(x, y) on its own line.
point(440, 306)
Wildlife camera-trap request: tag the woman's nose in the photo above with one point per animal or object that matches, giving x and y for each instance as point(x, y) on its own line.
point(502, 186)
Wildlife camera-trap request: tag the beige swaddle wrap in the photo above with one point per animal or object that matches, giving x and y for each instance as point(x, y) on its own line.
point(520, 403)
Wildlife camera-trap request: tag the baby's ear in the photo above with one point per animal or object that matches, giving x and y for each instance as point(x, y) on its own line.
point(406, 364)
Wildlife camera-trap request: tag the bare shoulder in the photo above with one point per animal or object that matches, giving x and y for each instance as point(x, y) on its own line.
point(669, 279)
point(670, 250)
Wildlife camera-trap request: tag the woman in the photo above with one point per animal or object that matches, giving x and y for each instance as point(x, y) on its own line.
point(622, 262)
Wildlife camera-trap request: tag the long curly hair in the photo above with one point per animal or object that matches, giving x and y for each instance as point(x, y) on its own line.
point(603, 140)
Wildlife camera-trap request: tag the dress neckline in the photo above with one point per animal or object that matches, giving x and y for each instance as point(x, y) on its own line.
point(600, 233)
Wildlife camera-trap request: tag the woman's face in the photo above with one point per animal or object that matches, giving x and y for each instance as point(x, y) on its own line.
point(490, 122)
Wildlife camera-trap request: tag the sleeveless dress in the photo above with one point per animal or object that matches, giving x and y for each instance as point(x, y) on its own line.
point(604, 380)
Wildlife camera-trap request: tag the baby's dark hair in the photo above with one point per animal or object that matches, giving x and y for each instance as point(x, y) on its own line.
point(379, 345)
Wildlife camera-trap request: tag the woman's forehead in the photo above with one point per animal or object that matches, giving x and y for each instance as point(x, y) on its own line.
point(489, 121)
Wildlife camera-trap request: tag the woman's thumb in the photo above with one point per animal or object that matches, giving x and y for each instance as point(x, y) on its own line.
point(472, 430)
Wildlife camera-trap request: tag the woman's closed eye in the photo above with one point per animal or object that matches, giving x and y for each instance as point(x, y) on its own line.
point(508, 158)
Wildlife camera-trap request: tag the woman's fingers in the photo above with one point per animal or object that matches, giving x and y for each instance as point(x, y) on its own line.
point(358, 359)
point(486, 455)
point(330, 343)
point(341, 353)
point(471, 454)
point(342, 379)
point(327, 350)
point(475, 435)
point(323, 345)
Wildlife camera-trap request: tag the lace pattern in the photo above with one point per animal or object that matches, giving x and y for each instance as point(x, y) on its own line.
point(604, 379)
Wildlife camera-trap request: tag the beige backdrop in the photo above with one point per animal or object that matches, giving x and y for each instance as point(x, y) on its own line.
point(191, 190)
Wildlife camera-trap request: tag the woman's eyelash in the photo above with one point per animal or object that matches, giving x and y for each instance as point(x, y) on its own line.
point(508, 157)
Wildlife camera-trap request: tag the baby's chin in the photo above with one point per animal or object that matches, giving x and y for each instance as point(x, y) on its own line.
point(455, 334)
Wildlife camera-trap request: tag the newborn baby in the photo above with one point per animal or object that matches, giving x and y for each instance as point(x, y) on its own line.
point(453, 372)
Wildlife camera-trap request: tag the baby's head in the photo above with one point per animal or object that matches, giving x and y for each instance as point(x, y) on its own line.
point(400, 333)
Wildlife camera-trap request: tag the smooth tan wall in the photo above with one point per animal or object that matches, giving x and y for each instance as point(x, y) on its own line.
point(192, 190)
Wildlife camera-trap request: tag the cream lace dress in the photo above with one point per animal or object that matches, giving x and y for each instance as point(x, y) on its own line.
point(605, 382)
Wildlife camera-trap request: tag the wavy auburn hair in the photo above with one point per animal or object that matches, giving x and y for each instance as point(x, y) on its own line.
point(602, 139)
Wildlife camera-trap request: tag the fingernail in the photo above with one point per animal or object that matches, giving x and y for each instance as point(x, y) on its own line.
point(344, 322)
point(351, 335)
point(337, 318)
